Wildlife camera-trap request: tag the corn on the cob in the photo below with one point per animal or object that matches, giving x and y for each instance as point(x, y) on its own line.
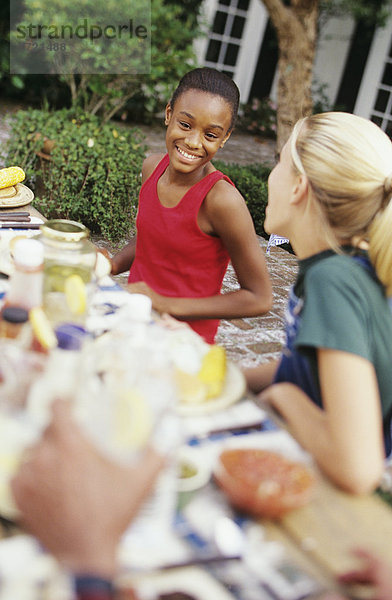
point(11, 176)
point(213, 370)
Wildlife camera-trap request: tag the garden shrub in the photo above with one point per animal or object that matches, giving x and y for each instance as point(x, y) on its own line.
point(259, 117)
point(93, 175)
point(102, 75)
point(251, 181)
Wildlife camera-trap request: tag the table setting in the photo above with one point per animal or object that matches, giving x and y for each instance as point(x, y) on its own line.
point(134, 376)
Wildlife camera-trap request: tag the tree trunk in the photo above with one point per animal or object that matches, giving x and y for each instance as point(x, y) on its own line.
point(296, 27)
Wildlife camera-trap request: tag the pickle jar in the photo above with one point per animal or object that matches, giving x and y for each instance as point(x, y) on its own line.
point(69, 270)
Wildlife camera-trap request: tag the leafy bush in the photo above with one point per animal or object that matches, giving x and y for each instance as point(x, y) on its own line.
point(259, 117)
point(105, 76)
point(93, 174)
point(251, 181)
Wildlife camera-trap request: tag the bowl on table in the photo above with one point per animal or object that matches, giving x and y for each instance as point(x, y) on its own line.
point(263, 483)
point(193, 473)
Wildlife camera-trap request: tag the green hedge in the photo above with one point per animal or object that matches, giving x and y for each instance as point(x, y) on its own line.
point(251, 181)
point(93, 174)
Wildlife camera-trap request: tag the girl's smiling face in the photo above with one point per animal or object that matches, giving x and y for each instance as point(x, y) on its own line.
point(197, 126)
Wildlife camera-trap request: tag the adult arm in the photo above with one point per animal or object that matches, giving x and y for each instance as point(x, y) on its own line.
point(345, 437)
point(225, 215)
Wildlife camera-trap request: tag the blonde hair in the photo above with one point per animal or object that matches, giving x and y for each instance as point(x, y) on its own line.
point(348, 162)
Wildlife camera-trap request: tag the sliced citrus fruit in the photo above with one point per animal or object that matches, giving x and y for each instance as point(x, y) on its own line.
point(76, 294)
point(133, 420)
point(42, 328)
point(189, 387)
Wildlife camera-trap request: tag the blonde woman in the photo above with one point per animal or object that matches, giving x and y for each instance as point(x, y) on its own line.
point(330, 194)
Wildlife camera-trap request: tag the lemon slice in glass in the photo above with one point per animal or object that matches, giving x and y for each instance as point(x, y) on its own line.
point(42, 328)
point(76, 294)
point(133, 420)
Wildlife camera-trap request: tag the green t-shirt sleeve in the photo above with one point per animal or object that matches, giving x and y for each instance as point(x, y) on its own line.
point(334, 311)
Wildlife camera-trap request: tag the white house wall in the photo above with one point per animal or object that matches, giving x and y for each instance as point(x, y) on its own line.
point(206, 19)
point(252, 37)
point(374, 70)
point(330, 60)
point(331, 54)
point(254, 30)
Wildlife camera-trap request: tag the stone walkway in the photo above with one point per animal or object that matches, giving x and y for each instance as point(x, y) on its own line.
point(252, 340)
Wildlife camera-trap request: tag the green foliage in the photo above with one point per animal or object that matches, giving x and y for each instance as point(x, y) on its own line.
point(173, 31)
point(251, 181)
point(321, 101)
point(259, 117)
point(105, 76)
point(371, 11)
point(93, 175)
point(385, 495)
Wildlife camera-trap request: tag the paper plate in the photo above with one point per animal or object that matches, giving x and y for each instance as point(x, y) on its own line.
point(23, 196)
point(233, 390)
point(6, 235)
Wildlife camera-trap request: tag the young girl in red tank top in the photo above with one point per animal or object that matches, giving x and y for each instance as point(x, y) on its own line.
point(192, 220)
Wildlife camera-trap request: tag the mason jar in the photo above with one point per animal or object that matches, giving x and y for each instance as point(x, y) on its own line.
point(69, 268)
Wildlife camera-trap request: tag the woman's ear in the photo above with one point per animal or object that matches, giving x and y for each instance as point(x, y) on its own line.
point(168, 113)
point(300, 189)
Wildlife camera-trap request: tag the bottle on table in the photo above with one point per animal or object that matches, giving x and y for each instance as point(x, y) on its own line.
point(26, 281)
point(14, 325)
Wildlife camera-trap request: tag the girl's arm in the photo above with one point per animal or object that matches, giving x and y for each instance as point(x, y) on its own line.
point(227, 217)
point(346, 437)
point(123, 260)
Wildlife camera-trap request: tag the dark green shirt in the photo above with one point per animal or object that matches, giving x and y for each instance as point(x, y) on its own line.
point(338, 303)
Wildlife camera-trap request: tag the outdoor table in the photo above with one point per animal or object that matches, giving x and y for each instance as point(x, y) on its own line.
point(319, 537)
point(27, 208)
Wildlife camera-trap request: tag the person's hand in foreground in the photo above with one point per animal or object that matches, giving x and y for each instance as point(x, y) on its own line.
point(77, 502)
point(373, 572)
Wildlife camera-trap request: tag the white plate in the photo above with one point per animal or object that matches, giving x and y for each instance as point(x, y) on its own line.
point(6, 235)
point(234, 389)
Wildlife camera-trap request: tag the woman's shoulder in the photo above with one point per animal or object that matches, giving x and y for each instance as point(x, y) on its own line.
point(341, 271)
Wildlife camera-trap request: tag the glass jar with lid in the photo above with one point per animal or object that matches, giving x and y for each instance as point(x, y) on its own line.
point(69, 266)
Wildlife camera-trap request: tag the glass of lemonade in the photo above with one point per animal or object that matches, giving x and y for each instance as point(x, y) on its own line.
point(69, 266)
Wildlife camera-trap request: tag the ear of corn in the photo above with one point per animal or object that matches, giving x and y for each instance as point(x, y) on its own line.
point(213, 370)
point(11, 176)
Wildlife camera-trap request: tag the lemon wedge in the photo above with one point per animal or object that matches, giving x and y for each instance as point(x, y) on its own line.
point(42, 328)
point(76, 295)
point(190, 389)
point(133, 420)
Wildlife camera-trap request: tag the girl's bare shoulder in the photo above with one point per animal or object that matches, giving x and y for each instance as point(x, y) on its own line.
point(149, 164)
point(223, 192)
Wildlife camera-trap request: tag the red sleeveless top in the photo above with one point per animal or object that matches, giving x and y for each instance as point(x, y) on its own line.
point(173, 256)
